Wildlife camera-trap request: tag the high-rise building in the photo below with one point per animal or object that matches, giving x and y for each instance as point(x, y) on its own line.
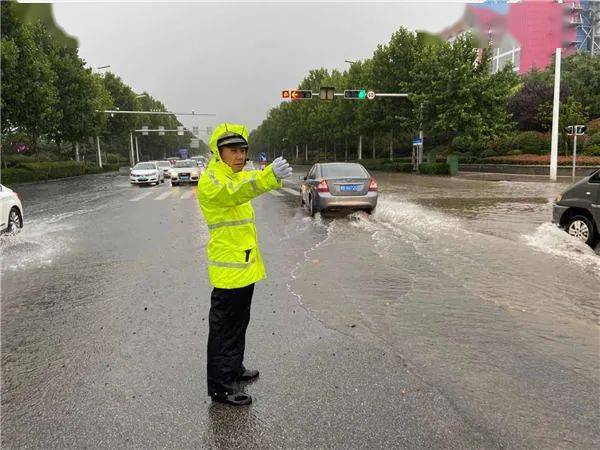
point(527, 33)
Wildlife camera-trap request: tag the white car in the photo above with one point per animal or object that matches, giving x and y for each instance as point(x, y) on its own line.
point(146, 173)
point(165, 166)
point(11, 211)
point(185, 171)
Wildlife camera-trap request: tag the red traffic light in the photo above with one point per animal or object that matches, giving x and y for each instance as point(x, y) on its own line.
point(285, 94)
point(301, 95)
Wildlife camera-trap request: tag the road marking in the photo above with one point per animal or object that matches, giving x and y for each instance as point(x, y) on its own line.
point(290, 191)
point(188, 194)
point(276, 193)
point(141, 196)
point(165, 194)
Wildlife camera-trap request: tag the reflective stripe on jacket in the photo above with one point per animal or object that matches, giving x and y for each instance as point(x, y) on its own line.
point(234, 258)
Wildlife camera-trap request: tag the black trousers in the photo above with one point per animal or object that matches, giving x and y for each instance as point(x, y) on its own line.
point(228, 320)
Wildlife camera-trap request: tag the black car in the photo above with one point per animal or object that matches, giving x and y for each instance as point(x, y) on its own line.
point(577, 210)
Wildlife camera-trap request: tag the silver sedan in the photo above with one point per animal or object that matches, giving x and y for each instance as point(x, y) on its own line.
point(336, 186)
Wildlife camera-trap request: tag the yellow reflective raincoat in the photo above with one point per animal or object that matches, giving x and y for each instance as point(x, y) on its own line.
point(234, 259)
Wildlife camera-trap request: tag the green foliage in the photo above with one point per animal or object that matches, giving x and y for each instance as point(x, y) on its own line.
point(532, 142)
point(49, 98)
point(514, 152)
point(592, 150)
point(593, 127)
point(458, 98)
point(434, 169)
point(593, 140)
point(28, 172)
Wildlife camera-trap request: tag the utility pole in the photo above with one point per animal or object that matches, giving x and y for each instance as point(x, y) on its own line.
point(296, 152)
point(420, 159)
point(555, 115)
point(373, 144)
point(137, 149)
point(391, 145)
point(99, 151)
point(131, 155)
point(346, 150)
point(77, 151)
point(360, 147)
point(306, 152)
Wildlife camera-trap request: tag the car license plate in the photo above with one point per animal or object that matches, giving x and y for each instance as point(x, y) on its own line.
point(349, 187)
point(185, 178)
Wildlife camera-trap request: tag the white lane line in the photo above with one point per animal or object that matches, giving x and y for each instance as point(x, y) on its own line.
point(165, 194)
point(188, 194)
point(290, 191)
point(276, 193)
point(141, 196)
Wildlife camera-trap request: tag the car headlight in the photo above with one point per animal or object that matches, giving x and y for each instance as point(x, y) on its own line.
point(558, 199)
point(194, 174)
point(173, 174)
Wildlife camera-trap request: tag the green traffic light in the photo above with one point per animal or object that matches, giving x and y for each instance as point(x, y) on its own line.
point(362, 94)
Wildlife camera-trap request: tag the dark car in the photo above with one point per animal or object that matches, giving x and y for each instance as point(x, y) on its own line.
point(577, 210)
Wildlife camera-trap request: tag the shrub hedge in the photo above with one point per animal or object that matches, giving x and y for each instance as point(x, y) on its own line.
point(43, 171)
point(434, 169)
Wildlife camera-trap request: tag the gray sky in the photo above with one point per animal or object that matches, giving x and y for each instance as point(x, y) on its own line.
point(234, 59)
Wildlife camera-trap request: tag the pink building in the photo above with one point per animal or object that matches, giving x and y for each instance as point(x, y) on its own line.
point(525, 34)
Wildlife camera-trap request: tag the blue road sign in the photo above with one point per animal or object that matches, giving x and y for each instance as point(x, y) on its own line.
point(417, 141)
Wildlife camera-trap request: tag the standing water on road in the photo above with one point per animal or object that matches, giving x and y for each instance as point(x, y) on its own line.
point(470, 283)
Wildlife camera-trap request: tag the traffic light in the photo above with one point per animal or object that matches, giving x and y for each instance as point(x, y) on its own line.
point(285, 94)
point(352, 94)
point(326, 93)
point(301, 95)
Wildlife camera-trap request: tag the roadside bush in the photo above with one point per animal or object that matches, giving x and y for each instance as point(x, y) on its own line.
point(532, 142)
point(592, 150)
point(498, 146)
point(593, 127)
point(42, 171)
point(15, 175)
point(434, 169)
point(51, 170)
point(593, 141)
point(514, 152)
point(488, 153)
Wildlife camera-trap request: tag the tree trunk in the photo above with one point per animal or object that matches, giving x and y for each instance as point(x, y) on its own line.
point(374, 157)
point(346, 149)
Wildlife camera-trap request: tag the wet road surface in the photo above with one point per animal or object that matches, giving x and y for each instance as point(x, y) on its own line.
point(456, 316)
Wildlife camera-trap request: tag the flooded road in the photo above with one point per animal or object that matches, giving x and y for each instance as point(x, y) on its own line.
point(454, 316)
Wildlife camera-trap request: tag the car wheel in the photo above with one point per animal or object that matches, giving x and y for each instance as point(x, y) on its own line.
point(174, 184)
point(311, 207)
point(15, 222)
point(371, 211)
point(581, 228)
point(162, 181)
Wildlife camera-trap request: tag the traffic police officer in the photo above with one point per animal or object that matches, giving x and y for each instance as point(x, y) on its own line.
point(234, 261)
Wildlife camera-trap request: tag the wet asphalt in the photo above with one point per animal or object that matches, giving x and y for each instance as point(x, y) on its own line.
point(360, 339)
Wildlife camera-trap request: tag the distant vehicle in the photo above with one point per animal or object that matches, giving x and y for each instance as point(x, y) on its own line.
point(577, 210)
point(146, 173)
point(11, 211)
point(334, 186)
point(165, 166)
point(184, 171)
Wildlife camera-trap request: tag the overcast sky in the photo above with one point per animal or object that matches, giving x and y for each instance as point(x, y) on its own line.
point(234, 59)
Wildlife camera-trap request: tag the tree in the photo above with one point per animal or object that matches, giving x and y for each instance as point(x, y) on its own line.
point(29, 94)
point(81, 95)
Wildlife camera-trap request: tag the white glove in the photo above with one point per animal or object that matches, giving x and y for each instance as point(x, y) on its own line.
point(281, 168)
